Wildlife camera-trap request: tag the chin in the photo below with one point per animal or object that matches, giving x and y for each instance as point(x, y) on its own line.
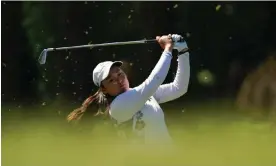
point(123, 89)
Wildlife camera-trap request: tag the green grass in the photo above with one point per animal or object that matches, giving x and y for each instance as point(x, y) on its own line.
point(204, 137)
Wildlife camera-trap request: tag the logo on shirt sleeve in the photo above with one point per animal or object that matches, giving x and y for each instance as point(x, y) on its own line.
point(140, 124)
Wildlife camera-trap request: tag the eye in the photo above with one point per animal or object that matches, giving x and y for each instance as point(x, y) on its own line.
point(121, 73)
point(111, 80)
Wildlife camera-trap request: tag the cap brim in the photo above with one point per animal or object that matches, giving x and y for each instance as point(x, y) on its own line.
point(117, 63)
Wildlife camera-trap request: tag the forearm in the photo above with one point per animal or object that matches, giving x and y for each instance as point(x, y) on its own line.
point(182, 77)
point(179, 86)
point(160, 70)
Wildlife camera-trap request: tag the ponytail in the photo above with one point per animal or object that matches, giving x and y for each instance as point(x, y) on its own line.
point(101, 101)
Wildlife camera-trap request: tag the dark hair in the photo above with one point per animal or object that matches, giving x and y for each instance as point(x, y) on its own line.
point(103, 101)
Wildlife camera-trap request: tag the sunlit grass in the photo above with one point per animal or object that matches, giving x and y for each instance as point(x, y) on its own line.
point(213, 137)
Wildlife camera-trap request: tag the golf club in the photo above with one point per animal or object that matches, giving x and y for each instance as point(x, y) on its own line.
point(43, 55)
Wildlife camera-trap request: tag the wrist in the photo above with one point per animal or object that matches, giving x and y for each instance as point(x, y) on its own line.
point(168, 47)
point(183, 51)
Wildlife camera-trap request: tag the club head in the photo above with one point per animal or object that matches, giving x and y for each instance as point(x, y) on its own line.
point(42, 57)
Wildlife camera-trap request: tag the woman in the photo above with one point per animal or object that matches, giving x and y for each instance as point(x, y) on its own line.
point(140, 104)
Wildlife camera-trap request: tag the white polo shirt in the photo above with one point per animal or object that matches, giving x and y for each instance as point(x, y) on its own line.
point(141, 104)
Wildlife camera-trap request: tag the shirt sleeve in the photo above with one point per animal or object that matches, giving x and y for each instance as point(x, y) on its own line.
point(128, 103)
point(179, 86)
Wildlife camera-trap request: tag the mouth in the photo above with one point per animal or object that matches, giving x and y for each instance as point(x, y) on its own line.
point(122, 86)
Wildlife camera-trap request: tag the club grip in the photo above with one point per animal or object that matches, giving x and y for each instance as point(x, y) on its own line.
point(154, 40)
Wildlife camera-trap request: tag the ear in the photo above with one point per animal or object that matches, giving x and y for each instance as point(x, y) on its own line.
point(103, 89)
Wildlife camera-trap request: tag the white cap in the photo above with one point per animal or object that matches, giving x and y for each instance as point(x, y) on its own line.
point(101, 71)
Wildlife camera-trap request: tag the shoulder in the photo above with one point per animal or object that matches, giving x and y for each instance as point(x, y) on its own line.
point(121, 104)
point(122, 98)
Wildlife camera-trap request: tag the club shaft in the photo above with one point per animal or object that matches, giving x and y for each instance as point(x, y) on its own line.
point(103, 44)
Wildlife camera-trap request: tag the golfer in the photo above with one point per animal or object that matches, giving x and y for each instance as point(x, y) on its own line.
point(140, 104)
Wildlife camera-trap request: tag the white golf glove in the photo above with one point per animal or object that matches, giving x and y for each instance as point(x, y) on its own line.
point(179, 43)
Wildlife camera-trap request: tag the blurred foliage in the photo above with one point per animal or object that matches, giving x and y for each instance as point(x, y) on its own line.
point(37, 26)
point(228, 39)
point(42, 23)
point(258, 91)
point(215, 134)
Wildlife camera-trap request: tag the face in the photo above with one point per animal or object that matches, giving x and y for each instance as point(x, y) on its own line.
point(116, 82)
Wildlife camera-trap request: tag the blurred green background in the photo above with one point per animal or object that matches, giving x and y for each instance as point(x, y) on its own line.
point(226, 118)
